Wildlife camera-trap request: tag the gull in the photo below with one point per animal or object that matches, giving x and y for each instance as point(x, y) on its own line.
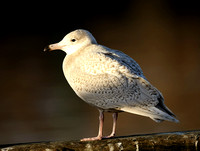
point(109, 80)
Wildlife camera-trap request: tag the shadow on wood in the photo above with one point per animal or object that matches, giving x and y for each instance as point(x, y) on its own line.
point(186, 140)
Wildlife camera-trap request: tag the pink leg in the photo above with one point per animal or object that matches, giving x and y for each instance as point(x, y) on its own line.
point(115, 116)
point(100, 134)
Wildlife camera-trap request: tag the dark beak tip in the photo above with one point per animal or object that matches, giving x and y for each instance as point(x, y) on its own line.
point(47, 48)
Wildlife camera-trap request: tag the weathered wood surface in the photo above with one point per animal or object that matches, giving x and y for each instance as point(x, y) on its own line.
point(186, 140)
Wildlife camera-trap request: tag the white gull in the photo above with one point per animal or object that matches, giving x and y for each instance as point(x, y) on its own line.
point(109, 80)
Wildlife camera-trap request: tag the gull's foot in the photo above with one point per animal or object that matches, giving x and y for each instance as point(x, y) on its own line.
point(109, 136)
point(91, 139)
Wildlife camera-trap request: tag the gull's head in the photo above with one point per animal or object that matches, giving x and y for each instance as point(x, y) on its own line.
point(73, 41)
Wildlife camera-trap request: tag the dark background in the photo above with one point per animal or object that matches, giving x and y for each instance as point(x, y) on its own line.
point(37, 104)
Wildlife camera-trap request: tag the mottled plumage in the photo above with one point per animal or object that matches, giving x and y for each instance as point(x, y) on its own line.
point(109, 79)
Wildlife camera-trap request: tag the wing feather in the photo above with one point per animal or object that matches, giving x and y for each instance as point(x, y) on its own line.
point(111, 80)
point(124, 77)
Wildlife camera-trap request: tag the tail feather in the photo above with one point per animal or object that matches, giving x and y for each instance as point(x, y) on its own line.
point(156, 114)
point(161, 106)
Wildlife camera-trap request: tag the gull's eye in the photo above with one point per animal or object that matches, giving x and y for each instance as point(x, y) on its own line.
point(73, 40)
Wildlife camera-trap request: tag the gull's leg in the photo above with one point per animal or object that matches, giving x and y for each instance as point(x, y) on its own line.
point(100, 134)
point(115, 116)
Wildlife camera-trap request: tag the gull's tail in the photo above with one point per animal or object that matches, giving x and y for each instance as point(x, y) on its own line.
point(157, 113)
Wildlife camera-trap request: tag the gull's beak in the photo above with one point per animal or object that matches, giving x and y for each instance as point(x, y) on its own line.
point(52, 47)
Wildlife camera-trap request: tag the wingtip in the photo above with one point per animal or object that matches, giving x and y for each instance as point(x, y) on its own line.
point(176, 121)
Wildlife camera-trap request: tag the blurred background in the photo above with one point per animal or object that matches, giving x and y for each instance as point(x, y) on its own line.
point(37, 104)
